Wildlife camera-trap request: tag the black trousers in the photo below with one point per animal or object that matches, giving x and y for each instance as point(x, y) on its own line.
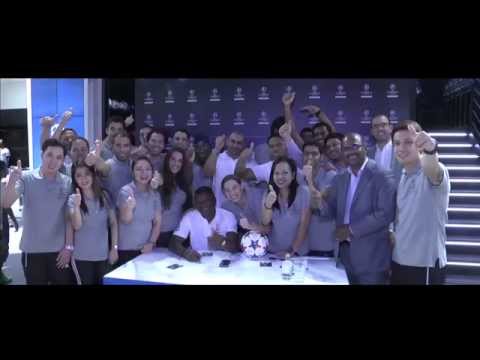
point(41, 269)
point(164, 239)
point(4, 239)
point(355, 278)
point(90, 272)
point(125, 256)
point(415, 275)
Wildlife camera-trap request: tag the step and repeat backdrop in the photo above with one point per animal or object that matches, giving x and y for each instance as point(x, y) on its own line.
point(217, 106)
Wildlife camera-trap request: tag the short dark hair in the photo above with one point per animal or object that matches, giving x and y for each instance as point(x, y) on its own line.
point(160, 131)
point(69, 129)
point(323, 123)
point(306, 129)
point(311, 143)
point(403, 126)
point(52, 142)
point(334, 135)
point(204, 190)
point(142, 158)
point(84, 140)
point(185, 131)
point(203, 138)
point(231, 177)
point(116, 119)
point(273, 136)
point(277, 124)
point(122, 133)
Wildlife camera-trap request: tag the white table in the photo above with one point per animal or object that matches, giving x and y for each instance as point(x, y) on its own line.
point(152, 268)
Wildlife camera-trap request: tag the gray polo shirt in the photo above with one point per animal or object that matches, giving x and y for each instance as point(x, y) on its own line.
point(253, 208)
point(286, 222)
point(119, 176)
point(44, 206)
point(199, 178)
point(171, 217)
point(135, 235)
point(321, 232)
point(91, 240)
point(420, 220)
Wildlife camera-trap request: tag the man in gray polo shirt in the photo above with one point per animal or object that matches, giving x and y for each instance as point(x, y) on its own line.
point(419, 253)
point(118, 168)
point(46, 248)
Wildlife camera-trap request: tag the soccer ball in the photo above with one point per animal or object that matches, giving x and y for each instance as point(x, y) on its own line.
point(254, 244)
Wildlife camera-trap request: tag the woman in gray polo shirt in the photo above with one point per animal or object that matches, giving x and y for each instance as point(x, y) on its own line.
point(175, 194)
point(244, 200)
point(139, 213)
point(287, 207)
point(91, 214)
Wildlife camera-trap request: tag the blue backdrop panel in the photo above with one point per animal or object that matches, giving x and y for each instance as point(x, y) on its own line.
point(216, 106)
point(51, 97)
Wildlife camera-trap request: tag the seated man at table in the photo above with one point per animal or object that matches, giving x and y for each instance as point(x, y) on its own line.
point(208, 227)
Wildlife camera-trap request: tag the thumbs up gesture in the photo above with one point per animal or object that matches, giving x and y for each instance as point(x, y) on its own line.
point(76, 198)
point(247, 152)
point(220, 142)
point(94, 155)
point(156, 181)
point(271, 197)
point(47, 121)
point(16, 172)
point(285, 131)
point(131, 202)
point(308, 170)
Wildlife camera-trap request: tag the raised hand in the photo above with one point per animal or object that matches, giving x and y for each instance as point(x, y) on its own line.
point(423, 141)
point(244, 223)
point(94, 155)
point(47, 121)
point(157, 180)
point(67, 115)
point(310, 109)
point(285, 131)
point(131, 202)
point(16, 172)
point(76, 198)
point(247, 152)
point(220, 142)
point(288, 99)
point(308, 171)
point(271, 197)
point(129, 121)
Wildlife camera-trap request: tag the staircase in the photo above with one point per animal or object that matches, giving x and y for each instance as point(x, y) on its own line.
point(459, 152)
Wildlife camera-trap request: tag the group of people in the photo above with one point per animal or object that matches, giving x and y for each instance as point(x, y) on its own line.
point(316, 192)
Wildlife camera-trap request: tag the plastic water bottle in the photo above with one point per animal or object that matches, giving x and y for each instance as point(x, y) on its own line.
point(287, 268)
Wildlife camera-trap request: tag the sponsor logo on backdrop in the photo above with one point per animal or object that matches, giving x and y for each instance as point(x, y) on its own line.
point(215, 96)
point(169, 99)
point(393, 116)
point(169, 122)
point(263, 94)
point(148, 120)
point(341, 93)
point(238, 120)
point(238, 96)
point(366, 92)
point(314, 93)
point(215, 119)
point(366, 117)
point(192, 120)
point(148, 99)
point(340, 118)
point(392, 92)
point(191, 98)
point(263, 119)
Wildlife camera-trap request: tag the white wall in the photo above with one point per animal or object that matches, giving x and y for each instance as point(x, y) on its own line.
point(13, 94)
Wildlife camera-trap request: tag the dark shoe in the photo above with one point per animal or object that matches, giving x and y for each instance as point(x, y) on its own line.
point(4, 279)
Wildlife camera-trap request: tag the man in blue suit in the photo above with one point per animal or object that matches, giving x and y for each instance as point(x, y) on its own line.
point(362, 200)
point(382, 152)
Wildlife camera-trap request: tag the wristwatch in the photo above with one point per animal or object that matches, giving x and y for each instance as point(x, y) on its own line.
point(435, 149)
point(115, 247)
point(69, 247)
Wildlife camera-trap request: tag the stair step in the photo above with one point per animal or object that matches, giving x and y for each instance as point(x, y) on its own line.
point(452, 279)
point(464, 197)
point(464, 183)
point(464, 212)
point(464, 259)
point(463, 227)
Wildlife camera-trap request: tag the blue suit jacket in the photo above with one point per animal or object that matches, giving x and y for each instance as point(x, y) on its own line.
point(395, 165)
point(372, 210)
